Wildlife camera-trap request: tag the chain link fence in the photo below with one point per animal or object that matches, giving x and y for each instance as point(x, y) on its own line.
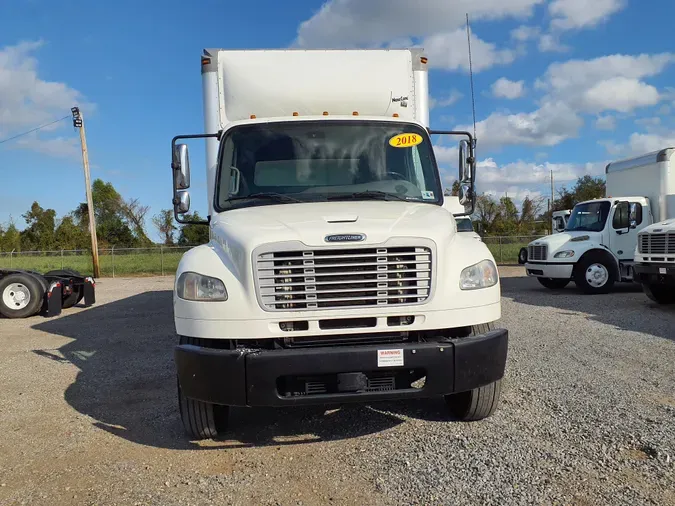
point(113, 261)
point(163, 260)
point(505, 248)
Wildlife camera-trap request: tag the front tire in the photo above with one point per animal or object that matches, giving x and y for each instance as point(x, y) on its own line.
point(661, 294)
point(480, 402)
point(201, 420)
point(594, 274)
point(554, 283)
point(522, 256)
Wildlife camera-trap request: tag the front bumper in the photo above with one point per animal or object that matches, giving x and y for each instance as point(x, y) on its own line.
point(274, 377)
point(549, 270)
point(654, 273)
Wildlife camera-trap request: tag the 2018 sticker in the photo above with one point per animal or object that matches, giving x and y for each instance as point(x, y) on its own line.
point(428, 195)
point(405, 140)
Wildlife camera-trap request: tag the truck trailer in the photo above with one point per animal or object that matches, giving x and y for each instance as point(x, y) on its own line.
point(335, 272)
point(597, 248)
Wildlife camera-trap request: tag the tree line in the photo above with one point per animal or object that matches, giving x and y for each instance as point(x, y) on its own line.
point(502, 217)
point(119, 222)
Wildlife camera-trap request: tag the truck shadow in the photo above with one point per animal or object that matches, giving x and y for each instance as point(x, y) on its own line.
point(626, 307)
point(127, 384)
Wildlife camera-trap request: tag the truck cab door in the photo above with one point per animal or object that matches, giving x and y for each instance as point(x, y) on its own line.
point(627, 221)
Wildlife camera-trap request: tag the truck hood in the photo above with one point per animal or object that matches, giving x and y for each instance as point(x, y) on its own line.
point(567, 241)
point(240, 231)
point(660, 227)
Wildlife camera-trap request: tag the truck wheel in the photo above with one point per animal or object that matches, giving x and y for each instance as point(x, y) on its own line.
point(554, 283)
point(201, 420)
point(21, 295)
point(78, 292)
point(480, 402)
point(594, 274)
point(522, 256)
point(661, 294)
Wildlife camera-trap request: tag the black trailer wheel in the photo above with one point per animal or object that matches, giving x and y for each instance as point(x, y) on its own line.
point(201, 420)
point(21, 295)
point(478, 403)
point(554, 283)
point(661, 294)
point(78, 291)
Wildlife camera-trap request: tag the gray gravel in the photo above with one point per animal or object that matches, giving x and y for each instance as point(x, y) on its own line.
point(88, 416)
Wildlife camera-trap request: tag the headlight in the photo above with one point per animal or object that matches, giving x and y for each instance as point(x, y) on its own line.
point(193, 286)
point(480, 275)
point(564, 254)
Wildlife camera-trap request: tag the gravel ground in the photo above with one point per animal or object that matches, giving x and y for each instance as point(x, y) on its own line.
point(89, 416)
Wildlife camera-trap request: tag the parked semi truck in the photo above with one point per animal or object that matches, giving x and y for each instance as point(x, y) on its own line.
point(655, 250)
point(25, 293)
point(598, 246)
point(335, 272)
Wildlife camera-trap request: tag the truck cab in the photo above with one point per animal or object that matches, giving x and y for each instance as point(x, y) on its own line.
point(335, 271)
point(596, 248)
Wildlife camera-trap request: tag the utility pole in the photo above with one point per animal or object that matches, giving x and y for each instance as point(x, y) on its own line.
point(552, 196)
point(78, 122)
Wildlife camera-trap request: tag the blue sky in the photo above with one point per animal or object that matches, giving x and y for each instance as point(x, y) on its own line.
point(561, 84)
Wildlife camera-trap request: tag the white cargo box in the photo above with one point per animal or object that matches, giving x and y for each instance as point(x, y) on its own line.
point(279, 83)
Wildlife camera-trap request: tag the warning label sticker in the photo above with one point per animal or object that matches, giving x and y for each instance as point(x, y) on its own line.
point(389, 358)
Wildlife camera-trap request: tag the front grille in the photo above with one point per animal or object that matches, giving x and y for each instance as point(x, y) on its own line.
point(537, 252)
point(657, 244)
point(336, 278)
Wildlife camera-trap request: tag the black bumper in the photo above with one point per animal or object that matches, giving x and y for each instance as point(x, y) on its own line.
point(654, 273)
point(262, 377)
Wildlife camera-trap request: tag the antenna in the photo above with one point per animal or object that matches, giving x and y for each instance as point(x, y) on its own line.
point(473, 100)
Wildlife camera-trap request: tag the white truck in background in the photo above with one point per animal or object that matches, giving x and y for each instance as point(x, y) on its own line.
point(335, 272)
point(559, 220)
point(597, 248)
point(655, 251)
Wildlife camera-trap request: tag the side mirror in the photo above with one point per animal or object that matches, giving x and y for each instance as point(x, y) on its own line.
point(181, 167)
point(464, 165)
point(183, 202)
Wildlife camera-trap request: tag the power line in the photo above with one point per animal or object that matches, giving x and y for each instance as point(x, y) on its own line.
point(33, 130)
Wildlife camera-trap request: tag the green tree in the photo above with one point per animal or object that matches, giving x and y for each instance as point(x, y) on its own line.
point(192, 235)
point(485, 213)
point(454, 191)
point(71, 236)
point(165, 225)
point(39, 232)
point(11, 239)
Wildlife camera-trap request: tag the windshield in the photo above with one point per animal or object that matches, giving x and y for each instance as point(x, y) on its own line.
point(326, 160)
point(590, 217)
point(464, 225)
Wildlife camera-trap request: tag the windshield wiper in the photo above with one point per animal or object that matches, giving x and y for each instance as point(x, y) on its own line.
point(368, 194)
point(279, 197)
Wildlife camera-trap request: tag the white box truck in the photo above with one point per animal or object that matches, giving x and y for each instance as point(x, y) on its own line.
point(334, 272)
point(655, 250)
point(597, 248)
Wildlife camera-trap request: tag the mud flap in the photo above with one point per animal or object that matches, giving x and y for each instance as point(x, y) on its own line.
point(89, 291)
point(54, 298)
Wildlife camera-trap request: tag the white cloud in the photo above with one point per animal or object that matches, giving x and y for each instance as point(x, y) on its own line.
point(27, 101)
point(640, 143)
point(664, 110)
point(446, 100)
point(59, 147)
point(606, 83)
point(504, 88)
point(575, 14)
point(605, 123)
point(527, 173)
point(449, 51)
point(649, 122)
point(524, 33)
point(349, 23)
point(446, 155)
point(549, 43)
point(547, 126)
